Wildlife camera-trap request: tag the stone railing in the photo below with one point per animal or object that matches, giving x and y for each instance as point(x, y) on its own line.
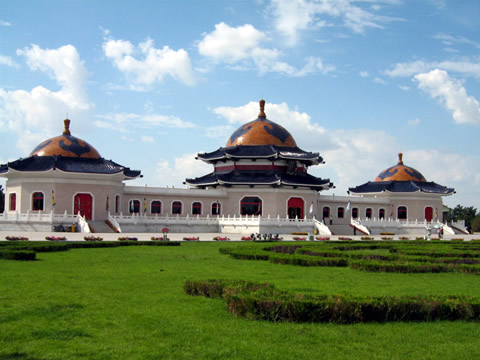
point(225, 223)
point(39, 217)
point(83, 224)
point(407, 225)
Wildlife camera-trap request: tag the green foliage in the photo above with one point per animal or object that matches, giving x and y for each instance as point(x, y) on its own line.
point(476, 224)
point(463, 213)
point(265, 302)
point(127, 302)
point(399, 256)
point(8, 254)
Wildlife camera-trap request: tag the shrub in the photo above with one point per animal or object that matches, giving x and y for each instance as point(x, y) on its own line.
point(299, 233)
point(159, 238)
point(344, 238)
point(387, 233)
point(221, 238)
point(322, 238)
point(17, 254)
point(92, 238)
point(127, 238)
point(387, 238)
point(55, 238)
point(366, 238)
point(191, 238)
point(403, 238)
point(16, 238)
point(265, 302)
point(246, 238)
point(298, 238)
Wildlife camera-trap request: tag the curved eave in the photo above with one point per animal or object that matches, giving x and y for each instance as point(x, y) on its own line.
point(401, 187)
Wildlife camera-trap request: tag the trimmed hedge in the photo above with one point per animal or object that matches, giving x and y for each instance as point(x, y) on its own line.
point(17, 255)
point(399, 256)
point(48, 246)
point(265, 302)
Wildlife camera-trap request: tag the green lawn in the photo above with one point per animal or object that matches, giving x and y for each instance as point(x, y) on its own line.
point(128, 303)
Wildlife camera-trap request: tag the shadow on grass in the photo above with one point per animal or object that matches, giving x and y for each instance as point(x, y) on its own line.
point(51, 312)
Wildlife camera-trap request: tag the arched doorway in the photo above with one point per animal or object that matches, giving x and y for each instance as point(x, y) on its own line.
point(83, 203)
point(296, 208)
point(429, 213)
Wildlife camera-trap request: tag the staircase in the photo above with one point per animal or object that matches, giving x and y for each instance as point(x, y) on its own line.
point(99, 227)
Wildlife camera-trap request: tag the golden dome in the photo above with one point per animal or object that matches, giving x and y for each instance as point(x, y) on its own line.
point(261, 131)
point(66, 145)
point(400, 172)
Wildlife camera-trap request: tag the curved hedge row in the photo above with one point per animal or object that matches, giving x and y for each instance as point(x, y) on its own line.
point(399, 256)
point(265, 302)
point(26, 248)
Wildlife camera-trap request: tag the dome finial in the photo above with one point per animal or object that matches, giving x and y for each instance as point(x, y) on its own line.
point(66, 122)
point(262, 109)
point(400, 159)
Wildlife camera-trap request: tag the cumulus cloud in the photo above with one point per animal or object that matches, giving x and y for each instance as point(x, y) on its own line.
point(37, 114)
point(186, 166)
point(438, 84)
point(127, 122)
point(293, 16)
point(144, 65)
point(408, 69)
point(307, 134)
point(241, 47)
point(8, 61)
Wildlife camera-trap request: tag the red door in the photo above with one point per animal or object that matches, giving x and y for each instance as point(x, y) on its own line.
point(83, 203)
point(428, 213)
point(295, 208)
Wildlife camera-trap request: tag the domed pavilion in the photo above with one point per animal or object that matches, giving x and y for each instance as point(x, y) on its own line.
point(262, 155)
point(67, 171)
point(409, 191)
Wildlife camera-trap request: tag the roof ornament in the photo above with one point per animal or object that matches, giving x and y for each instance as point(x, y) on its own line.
point(262, 109)
point(400, 161)
point(67, 127)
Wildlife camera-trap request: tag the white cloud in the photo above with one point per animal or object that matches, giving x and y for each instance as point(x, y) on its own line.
point(413, 122)
point(241, 48)
point(127, 122)
point(364, 74)
point(293, 16)
point(37, 114)
point(7, 60)
point(438, 84)
point(144, 65)
point(450, 40)
point(5, 23)
point(408, 69)
point(148, 139)
point(186, 166)
point(228, 44)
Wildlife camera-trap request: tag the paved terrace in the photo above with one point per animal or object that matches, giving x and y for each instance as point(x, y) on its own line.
point(38, 236)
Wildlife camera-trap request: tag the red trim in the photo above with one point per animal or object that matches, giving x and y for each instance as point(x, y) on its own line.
point(254, 167)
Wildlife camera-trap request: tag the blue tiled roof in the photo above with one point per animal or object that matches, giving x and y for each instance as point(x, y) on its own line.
point(69, 164)
point(401, 186)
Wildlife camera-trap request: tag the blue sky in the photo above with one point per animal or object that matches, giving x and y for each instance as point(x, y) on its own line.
point(151, 83)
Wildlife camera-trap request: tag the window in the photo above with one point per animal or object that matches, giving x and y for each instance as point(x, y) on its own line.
point(340, 212)
point(117, 203)
point(326, 212)
point(197, 208)
point(156, 207)
point(13, 202)
point(216, 208)
point(37, 201)
point(134, 206)
point(368, 213)
point(381, 214)
point(402, 213)
point(251, 205)
point(355, 213)
point(176, 207)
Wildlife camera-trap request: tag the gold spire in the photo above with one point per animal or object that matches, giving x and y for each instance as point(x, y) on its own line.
point(262, 109)
point(400, 161)
point(67, 127)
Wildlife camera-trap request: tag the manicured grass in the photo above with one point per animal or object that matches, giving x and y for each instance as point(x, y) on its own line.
point(128, 303)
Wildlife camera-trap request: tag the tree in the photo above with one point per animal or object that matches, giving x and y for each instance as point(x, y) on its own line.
point(463, 213)
point(2, 199)
point(476, 224)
